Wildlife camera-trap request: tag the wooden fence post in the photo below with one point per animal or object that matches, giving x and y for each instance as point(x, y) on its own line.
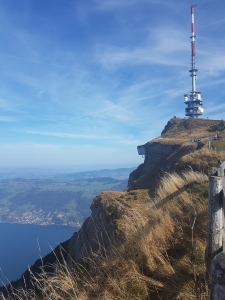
point(215, 219)
point(217, 277)
point(215, 256)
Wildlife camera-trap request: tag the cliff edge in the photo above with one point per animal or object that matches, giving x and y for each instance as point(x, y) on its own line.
point(182, 146)
point(184, 143)
point(147, 242)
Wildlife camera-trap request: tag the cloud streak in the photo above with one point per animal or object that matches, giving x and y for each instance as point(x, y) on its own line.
point(117, 139)
point(161, 48)
point(7, 119)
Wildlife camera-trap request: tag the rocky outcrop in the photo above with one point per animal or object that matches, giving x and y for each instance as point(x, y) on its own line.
point(99, 231)
point(156, 153)
point(167, 152)
point(115, 217)
point(159, 157)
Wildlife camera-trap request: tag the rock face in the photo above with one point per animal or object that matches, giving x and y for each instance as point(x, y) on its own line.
point(156, 153)
point(160, 156)
point(168, 152)
point(115, 218)
point(99, 231)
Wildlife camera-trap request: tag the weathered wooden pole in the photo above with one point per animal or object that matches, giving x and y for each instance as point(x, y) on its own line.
point(217, 277)
point(215, 257)
point(215, 219)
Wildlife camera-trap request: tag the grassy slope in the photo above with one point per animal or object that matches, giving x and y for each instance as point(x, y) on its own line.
point(157, 259)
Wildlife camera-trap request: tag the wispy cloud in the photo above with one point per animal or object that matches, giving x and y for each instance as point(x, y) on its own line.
point(215, 23)
point(215, 108)
point(161, 47)
point(115, 4)
point(20, 58)
point(117, 139)
point(29, 145)
point(7, 119)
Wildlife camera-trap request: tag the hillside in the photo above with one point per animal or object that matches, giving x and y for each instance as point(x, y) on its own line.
point(50, 202)
point(147, 242)
point(189, 128)
point(172, 151)
point(133, 247)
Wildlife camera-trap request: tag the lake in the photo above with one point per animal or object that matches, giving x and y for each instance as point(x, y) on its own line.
point(22, 244)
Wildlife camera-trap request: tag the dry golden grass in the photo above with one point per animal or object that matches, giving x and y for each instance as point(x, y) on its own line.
point(173, 182)
point(188, 128)
point(202, 160)
point(157, 260)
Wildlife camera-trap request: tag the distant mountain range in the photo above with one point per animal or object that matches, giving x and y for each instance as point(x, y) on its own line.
point(55, 174)
point(121, 173)
point(64, 199)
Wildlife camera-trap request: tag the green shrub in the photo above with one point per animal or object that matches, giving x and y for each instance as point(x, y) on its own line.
point(115, 212)
point(198, 188)
point(111, 208)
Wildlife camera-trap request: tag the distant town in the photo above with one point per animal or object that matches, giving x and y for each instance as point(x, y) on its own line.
point(65, 201)
point(36, 217)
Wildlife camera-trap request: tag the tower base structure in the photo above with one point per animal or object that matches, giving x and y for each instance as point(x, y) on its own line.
point(194, 107)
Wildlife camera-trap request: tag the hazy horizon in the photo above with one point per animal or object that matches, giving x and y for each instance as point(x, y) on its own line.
point(31, 172)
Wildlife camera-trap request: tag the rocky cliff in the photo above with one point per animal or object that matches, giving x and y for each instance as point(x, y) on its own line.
point(170, 152)
point(183, 144)
point(137, 244)
point(100, 229)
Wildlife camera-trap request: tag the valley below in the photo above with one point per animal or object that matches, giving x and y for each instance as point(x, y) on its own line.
point(64, 200)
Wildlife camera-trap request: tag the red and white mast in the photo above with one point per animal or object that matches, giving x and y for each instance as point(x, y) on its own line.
point(193, 69)
point(194, 100)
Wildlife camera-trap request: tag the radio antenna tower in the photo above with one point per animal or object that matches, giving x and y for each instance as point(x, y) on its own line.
point(194, 99)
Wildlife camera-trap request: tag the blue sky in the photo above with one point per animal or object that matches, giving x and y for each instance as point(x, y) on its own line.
point(85, 82)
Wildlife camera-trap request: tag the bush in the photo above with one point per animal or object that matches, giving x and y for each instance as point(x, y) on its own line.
point(115, 212)
point(198, 188)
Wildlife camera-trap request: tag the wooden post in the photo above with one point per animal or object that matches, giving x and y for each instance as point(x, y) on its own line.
point(217, 277)
point(215, 219)
point(215, 256)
